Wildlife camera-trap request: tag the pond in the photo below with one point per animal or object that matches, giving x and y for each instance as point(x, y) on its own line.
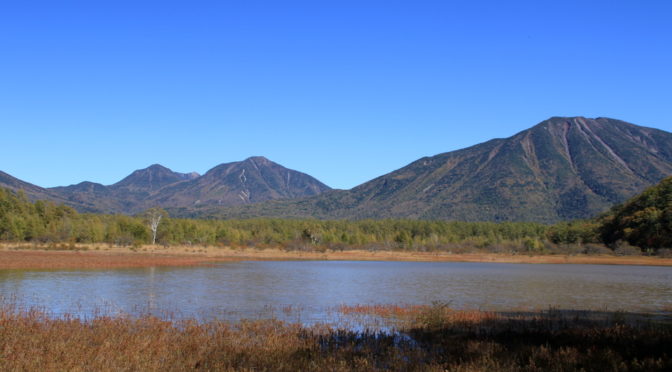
point(311, 290)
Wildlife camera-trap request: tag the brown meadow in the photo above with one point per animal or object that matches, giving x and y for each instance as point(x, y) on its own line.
point(92, 256)
point(434, 338)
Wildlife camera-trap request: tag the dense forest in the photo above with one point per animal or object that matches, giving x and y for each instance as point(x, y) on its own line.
point(644, 221)
point(46, 222)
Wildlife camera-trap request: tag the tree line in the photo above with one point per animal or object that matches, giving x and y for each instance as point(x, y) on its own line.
point(45, 222)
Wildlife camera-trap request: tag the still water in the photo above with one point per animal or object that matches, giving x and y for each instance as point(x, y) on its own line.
point(261, 289)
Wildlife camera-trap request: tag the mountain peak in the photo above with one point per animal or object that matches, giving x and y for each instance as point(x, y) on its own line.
point(151, 178)
point(560, 169)
point(259, 160)
point(155, 167)
point(251, 180)
point(563, 120)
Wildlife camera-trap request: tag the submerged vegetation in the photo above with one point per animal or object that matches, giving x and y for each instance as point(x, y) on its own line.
point(431, 338)
point(643, 223)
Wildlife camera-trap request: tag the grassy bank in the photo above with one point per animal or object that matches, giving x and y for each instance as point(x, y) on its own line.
point(101, 256)
point(432, 338)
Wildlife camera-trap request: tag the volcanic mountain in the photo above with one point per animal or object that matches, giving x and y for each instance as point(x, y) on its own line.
point(563, 168)
point(255, 179)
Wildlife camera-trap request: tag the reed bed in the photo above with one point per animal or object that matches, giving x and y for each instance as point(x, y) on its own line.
point(435, 338)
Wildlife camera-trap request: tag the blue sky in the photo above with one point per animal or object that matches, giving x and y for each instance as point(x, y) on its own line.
point(342, 90)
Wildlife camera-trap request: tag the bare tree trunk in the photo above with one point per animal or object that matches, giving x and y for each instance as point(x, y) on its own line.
point(154, 221)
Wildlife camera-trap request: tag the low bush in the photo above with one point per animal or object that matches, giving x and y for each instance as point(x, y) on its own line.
point(622, 248)
point(597, 249)
point(664, 252)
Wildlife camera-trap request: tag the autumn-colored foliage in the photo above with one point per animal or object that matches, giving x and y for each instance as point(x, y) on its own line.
point(436, 338)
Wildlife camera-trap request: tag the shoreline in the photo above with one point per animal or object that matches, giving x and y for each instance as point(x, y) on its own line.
point(26, 257)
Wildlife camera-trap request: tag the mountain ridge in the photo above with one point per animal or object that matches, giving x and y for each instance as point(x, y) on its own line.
point(562, 168)
point(144, 188)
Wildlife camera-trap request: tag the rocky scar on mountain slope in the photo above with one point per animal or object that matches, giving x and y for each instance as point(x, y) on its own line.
point(255, 179)
point(563, 168)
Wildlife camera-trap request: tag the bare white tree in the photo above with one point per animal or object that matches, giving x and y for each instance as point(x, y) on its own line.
point(154, 216)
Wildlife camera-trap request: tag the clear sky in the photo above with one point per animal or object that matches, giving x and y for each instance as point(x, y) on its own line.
point(342, 90)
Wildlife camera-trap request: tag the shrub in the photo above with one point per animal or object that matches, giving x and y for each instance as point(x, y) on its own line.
point(625, 249)
point(596, 249)
point(664, 252)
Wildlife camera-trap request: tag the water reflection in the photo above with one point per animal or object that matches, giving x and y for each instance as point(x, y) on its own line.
point(252, 289)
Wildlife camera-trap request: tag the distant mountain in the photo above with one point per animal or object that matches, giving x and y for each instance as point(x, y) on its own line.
point(33, 192)
point(129, 195)
point(563, 168)
point(252, 180)
point(88, 197)
point(16, 184)
point(151, 179)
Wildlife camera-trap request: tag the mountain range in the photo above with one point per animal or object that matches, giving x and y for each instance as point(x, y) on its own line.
point(252, 180)
point(562, 168)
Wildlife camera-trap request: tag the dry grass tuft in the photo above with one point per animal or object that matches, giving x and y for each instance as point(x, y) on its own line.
point(385, 311)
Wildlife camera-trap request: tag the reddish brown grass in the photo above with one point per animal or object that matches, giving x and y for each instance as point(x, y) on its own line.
point(385, 311)
point(27, 256)
point(420, 314)
point(94, 260)
point(439, 339)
